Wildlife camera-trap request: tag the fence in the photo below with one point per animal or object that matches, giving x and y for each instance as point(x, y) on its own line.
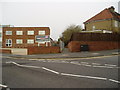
point(95, 37)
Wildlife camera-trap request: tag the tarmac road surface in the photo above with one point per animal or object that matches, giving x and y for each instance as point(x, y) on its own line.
point(82, 73)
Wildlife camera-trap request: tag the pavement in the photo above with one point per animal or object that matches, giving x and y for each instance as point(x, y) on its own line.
point(67, 55)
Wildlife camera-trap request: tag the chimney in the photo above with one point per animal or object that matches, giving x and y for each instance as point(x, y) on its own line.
point(111, 8)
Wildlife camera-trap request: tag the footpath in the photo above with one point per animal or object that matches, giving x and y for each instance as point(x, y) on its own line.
point(67, 55)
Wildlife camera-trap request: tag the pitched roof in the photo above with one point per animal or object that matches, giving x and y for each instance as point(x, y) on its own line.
point(105, 14)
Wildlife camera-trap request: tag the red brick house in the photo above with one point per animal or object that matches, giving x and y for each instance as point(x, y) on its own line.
point(22, 37)
point(107, 20)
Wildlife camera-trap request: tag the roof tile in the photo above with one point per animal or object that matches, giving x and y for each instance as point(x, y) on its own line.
point(105, 14)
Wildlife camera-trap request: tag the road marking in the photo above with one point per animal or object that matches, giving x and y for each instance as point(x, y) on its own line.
point(96, 64)
point(23, 65)
point(3, 86)
point(83, 76)
point(44, 68)
point(105, 66)
point(110, 65)
point(114, 81)
point(33, 67)
point(81, 64)
point(50, 70)
point(44, 60)
point(84, 63)
point(99, 66)
point(29, 66)
point(65, 62)
point(88, 65)
point(77, 63)
point(74, 62)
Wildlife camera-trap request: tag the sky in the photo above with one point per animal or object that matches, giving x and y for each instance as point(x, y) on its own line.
point(56, 14)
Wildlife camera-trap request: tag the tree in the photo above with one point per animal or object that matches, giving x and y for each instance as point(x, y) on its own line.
point(66, 35)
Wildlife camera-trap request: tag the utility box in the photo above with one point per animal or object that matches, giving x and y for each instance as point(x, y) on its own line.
point(84, 48)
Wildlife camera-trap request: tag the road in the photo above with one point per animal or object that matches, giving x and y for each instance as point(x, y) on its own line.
point(77, 73)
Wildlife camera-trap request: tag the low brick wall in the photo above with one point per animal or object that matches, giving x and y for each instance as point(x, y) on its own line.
point(74, 46)
point(43, 50)
point(5, 51)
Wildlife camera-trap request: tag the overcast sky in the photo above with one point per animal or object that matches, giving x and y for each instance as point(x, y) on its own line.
point(56, 14)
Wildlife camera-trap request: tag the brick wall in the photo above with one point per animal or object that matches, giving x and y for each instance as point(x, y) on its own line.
point(74, 46)
point(43, 50)
point(5, 51)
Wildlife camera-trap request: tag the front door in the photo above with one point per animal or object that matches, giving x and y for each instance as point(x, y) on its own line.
point(8, 42)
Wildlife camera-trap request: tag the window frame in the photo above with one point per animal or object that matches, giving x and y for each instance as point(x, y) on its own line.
point(19, 43)
point(6, 32)
point(28, 32)
point(19, 33)
point(39, 32)
point(116, 23)
point(30, 41)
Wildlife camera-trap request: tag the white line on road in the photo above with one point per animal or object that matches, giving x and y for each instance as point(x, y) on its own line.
point(74, 62)
point(23, 65)
point(95, 63)
point(29, 66)
point(84, 62)
point(3, 86)
point(33, 67)
point(99, 66)
point(88, 65)
point(50, 70)
point(110, 65)
point(44, 68)
point(83, 76)
point(105, 66)
point(114, 81)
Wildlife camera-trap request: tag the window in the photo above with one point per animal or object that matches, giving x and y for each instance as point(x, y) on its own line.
point(41, 32)
point(8, 32)
point(19, 41)
point(8, 42)
point(116, 23)
point(30, 32)
point(93, 27)
point(30, 41)
point(19, 32)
